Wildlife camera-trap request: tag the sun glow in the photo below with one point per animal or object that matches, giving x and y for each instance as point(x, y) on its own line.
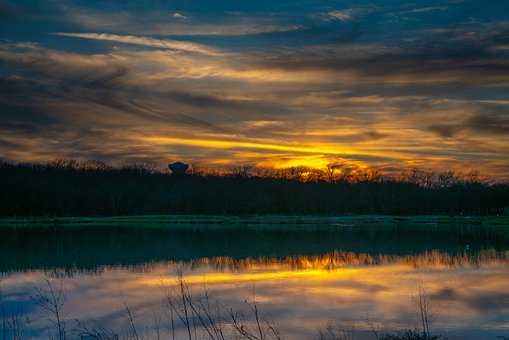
point(233, 144)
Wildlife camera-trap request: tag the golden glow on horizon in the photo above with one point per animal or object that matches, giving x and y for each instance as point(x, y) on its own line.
point(317, 162)
point(316, 155)
point(270, 154)
point(231, 144)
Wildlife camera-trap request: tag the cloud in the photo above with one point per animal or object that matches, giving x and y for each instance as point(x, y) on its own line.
point(483, 118)
point(193, 24)
point(489, 123)
point(434, 58)
point(67, 68)
point(345, 15)
point(248, 107)
point(335, 85)
point(213, 30)
point(58, 81)
point(177, 15)
point(349, 14)
point(427, 9)
point(115, 81)
point(24, 117)
point(146, 41)
point(445, 130)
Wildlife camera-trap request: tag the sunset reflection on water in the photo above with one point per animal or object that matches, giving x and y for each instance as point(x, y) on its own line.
point(300, 294)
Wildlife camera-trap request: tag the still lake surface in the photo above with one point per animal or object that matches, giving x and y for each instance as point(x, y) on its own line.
point(303, 279)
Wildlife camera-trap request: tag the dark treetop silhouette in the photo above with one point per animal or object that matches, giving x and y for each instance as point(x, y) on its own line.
point(72, 188)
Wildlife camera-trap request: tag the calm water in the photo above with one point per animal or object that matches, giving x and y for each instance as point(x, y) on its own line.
point(357, 279)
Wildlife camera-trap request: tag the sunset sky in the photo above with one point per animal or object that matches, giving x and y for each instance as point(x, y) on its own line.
point(386, 83)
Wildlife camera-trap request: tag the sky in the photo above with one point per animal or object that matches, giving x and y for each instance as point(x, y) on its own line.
point(389, 84)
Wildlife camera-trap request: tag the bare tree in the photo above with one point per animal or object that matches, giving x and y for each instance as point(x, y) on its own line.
point(242, 171)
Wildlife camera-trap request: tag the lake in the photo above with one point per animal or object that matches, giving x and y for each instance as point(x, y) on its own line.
point(354, 277)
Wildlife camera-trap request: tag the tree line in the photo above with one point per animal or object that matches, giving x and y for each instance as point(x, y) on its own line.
point(89, 188)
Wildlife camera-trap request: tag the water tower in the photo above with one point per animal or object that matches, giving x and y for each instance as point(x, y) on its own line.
point(178, 168)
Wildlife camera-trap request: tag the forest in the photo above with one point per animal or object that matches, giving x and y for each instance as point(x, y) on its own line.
point(89, 188)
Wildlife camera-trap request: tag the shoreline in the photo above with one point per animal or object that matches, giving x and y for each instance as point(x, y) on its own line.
point(172, 221)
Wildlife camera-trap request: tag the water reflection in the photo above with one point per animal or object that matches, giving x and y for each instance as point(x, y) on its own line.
point(358, 277)
point(93, 247)
point(300, 294)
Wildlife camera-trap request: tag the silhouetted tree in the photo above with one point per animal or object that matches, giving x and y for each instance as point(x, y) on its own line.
point(75, 188)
